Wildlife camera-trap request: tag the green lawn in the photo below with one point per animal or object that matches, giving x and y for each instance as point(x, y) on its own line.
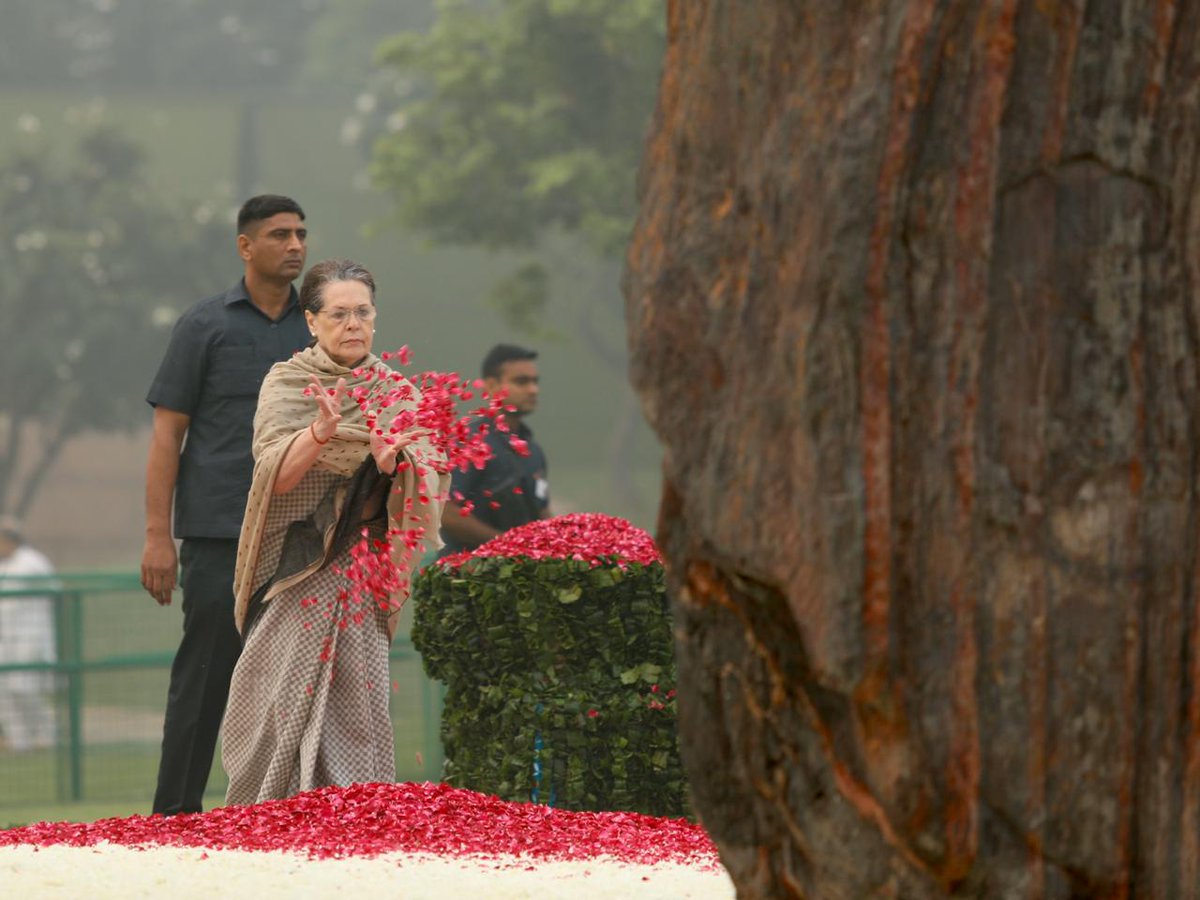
point(120, 714)
point(16, 816)
point(118, 778)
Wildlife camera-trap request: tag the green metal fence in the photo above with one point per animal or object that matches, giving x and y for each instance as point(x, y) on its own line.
point(107, 688)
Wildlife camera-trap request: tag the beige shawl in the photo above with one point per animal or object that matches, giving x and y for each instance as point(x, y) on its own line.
point(284, 412)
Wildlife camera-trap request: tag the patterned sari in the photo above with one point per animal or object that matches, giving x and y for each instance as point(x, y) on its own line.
point(308, 704)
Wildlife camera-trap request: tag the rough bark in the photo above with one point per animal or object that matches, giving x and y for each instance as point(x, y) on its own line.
point(912, 305)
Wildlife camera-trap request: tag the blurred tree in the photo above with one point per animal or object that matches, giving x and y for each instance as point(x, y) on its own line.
point(33, 46)
point(530, 117)
point(518, 125)
point(93, 269)
point(160, 43)
point(340, 45)
point(198, 44)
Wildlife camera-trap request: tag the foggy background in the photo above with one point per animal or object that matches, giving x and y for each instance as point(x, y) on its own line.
point(479, 157)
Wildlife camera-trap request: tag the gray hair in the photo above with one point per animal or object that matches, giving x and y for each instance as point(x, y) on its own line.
point(312, 291)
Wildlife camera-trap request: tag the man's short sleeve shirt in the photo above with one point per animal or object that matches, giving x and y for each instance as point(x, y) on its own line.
point(511, 490)
point(218, 354)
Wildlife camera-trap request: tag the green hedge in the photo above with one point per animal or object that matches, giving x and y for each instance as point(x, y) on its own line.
point(560, 681)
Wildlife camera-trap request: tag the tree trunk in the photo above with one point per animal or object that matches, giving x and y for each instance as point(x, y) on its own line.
point(913, 310)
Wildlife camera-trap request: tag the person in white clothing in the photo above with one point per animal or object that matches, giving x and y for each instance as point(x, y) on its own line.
point(26, 636)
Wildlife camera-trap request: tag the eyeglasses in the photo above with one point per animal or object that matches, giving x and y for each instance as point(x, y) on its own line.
point(342, 316)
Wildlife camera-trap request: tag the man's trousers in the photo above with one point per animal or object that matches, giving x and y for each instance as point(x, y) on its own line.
point(200, 674)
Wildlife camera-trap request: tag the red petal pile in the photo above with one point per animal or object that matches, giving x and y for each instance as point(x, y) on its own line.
point(369, 819)
point(594, 537)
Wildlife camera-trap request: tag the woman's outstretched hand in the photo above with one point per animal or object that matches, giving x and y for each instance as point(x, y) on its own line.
point(329, 409)
point(386, 447)
point(304, 452)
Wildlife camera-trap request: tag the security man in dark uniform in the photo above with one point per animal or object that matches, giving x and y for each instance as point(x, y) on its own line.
point(206, 390)
point(512, 488)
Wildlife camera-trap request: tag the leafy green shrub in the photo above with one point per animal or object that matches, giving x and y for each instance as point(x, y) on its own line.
point(560, 676)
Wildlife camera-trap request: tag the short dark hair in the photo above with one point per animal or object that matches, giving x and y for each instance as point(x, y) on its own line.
point(256, 209)
point(327, 271)
point(494, 362)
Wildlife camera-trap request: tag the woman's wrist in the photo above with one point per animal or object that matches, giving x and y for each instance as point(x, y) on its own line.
point(312, 428)
point(382, 465)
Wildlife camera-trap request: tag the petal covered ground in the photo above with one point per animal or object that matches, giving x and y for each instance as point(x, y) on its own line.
point(412, 840)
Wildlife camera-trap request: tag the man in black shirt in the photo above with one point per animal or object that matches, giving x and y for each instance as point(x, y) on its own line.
point(511, 489)
point(206, 390)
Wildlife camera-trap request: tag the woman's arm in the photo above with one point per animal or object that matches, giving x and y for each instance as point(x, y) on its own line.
point(305, 449)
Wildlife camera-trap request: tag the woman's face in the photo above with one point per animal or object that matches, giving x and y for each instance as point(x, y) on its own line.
point(345, 324)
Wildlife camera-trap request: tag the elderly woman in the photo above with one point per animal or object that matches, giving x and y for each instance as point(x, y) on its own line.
point(308, 704)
